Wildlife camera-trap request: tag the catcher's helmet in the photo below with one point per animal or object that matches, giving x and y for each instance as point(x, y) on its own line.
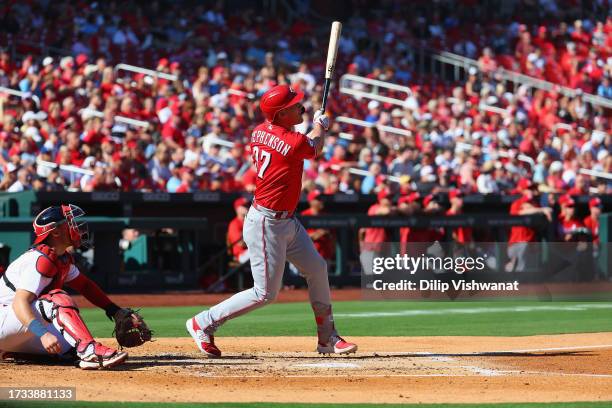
point(52, 217)
point(277, 99)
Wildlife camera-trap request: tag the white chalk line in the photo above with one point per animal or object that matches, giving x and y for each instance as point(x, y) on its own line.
point(555, 373)
point(485, 372)
point(498, 373)
point(327, 365)
point(475, 371)
point(569, 348)
point(443, 354)
point(581, 307)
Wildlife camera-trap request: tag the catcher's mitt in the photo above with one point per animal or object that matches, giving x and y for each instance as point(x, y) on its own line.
point(130, 329)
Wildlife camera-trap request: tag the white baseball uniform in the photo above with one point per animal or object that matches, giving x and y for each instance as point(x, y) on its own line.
point(22, 273)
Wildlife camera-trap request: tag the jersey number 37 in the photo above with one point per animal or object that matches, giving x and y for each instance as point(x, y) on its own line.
point(261, 160)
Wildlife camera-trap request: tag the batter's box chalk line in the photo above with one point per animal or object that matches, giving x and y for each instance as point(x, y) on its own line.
point(327, 365)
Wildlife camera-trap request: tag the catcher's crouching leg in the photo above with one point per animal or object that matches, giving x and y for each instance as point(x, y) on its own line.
point(58, 308)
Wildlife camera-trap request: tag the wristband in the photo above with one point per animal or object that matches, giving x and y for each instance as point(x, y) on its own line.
point(37, 328)
point(111, 310)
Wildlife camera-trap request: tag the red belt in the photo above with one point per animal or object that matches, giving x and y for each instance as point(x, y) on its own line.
point(277, 215)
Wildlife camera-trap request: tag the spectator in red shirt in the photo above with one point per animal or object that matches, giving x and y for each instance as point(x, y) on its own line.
point(520, 236)
point(338, 158)
point(461, 235)
point(6, 64)
point(592, 220)
point(407, 205)
point(172, 132)
point(235, 244)
point(323, 239)
point(187, 181)
point(486, 62)
point(372, 240)
point(581, 186)
point(581, 37)
point(414, 241)
point(523, 46)
point(569, 224)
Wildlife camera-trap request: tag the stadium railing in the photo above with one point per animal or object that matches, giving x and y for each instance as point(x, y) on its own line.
point(117, 118)
point(20, 94)
point(74, 172)
point(363, 123)
point(347, 82)
point(516, 78)
point(596, 173)
point(145, 71)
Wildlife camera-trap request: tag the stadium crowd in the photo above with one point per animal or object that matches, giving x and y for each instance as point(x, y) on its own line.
point(479, 135)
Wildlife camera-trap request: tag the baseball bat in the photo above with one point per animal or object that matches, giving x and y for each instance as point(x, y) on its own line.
point(332, 52)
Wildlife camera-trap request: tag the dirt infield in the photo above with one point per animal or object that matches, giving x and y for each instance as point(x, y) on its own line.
point(575, 367)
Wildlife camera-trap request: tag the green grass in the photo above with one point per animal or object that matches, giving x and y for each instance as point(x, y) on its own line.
point(419, 319)
point(75, 404)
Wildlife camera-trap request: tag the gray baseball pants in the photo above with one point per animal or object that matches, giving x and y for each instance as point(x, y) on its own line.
point(271, 242)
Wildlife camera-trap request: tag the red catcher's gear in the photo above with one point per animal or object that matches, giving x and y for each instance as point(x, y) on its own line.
point(52, 217)
point(50, 265)
point(66, 318)
point(277, 99)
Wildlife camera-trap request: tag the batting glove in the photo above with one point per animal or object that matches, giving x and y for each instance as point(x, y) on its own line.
point(321, 119)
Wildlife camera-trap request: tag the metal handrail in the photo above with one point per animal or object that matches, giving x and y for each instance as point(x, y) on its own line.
point(146, 71)
point(345, 88)
point(65, 167)
point(363, 173)
point(490, 108)
point(467, 63)
point(117, 118)
point(363, 123)
point(346, 136)
point(522, 157)
point(20, 94)
point(72, 170)
point(376, 83)
point(596, 173)
point(219, 141)
point(238, 92)
point(133, 122)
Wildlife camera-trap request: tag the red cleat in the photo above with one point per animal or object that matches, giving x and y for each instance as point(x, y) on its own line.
point(97, 356)
point(205, 342)
point(337, 345)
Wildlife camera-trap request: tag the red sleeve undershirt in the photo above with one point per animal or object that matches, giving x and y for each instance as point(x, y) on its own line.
point(90, 290)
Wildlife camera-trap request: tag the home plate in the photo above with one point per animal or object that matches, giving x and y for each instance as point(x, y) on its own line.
point(328, 365)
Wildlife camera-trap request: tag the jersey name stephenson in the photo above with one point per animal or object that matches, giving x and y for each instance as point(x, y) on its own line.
point(271, 141)
point(278, 156)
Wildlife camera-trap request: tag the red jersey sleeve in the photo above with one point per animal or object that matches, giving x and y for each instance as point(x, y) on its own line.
point(304, 147)
point(515, 208)
point(373, 209)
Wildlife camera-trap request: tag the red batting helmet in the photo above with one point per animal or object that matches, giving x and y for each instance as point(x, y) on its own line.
point(278, 98)
point(52, 217)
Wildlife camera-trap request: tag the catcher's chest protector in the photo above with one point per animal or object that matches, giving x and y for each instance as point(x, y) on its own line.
point(50, 265)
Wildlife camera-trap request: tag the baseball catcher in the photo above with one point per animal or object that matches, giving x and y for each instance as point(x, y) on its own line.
point(38, 317)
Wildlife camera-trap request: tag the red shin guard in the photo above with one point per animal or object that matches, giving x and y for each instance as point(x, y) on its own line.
point(66, 318)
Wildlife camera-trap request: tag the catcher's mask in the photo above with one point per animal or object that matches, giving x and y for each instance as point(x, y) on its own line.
point(52, 217)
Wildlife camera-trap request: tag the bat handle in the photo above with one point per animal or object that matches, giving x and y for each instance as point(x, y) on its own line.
point(325, 93)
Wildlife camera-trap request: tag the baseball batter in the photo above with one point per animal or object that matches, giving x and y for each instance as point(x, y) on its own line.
point(36, 315)
point(272, 234)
